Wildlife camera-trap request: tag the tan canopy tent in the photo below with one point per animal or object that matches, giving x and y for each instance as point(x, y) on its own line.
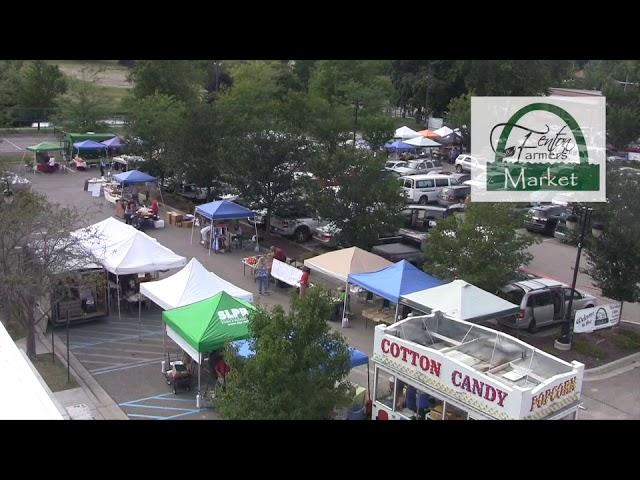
point(341, 263)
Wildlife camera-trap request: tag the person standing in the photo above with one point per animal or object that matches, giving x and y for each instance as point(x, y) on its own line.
point(304, 281)
point(262, 275)
point(129, 210)
point(102, 165)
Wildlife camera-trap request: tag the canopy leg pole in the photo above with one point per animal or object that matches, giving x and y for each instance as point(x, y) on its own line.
point(368, 380)
point(344, 306)
point(118, 291)
point(211, 234)
point(160, 192)
point(199, 363)
point(164, 347)
point(139, 317)
point(397, 309)
point(192, 224)
point(255, 224)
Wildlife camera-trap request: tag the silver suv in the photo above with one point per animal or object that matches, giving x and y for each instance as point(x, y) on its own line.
point(542, 302)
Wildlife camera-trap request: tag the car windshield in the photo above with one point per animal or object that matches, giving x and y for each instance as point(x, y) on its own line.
point(512, 294)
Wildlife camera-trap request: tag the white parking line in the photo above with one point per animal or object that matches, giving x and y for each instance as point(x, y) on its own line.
point(10, 142)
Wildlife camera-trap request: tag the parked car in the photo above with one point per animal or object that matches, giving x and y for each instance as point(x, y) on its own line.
point(542, 301)
point(416, 167)
point(298, 221)
point(466, 163)
point(394, 252)
point(454, 195)
point(543, 218)
point(328, 233)
point(391, 164)
point(425, 188)
point(420, 219)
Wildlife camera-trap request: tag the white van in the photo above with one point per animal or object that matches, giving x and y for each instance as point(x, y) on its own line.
point(425, 188)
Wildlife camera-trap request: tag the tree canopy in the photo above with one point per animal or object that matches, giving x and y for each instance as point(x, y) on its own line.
point(299, 368)
point(479, 247)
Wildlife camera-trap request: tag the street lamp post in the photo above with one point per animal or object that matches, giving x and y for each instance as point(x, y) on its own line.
point(582, 221)
point(355, 124)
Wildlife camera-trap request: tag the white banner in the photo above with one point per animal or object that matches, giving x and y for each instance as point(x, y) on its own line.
point(595, 318)
point(286, 273)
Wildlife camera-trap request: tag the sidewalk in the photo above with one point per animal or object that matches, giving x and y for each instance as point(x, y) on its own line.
point(90, 401)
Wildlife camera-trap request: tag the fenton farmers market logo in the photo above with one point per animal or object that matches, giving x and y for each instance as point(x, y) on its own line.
point(536, 148)
point(545, 154)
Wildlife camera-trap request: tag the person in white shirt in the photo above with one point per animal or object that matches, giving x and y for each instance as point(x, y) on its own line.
point(204, 234)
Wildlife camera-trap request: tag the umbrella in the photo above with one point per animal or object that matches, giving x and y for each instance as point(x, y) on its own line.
point(422, 142)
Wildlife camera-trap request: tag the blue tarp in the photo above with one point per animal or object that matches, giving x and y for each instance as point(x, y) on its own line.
point(224, 209)
point(89, 145)
point(399, 146)
point(395, 280)
point(357, 357)
point(133, 176)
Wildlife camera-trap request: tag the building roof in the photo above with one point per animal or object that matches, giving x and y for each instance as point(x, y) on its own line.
point(573, 92)
point(24, 397)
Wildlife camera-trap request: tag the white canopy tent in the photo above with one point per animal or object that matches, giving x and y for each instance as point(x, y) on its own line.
point(191, 284)
point(422, 142)
point(405, 133)
point(443, 132)
point(98, 237)
point(460, 300)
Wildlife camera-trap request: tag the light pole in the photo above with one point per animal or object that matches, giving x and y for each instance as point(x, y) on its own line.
point(581, 218)
point(355, 125)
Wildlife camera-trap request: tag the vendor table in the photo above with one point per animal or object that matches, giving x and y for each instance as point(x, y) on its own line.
point(245, 264)
point(386, 316)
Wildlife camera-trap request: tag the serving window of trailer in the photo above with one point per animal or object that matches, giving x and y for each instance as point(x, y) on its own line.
point(412, 402)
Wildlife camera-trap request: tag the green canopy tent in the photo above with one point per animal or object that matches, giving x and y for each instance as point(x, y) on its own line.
point(44, 147)
point(205, 326)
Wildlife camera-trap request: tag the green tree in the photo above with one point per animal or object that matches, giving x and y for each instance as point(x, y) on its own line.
point(299, 368)
point(9, 78)
point(377, 130)
point(482, 248)
point(514, 77)
point(265, 142)
point(153, 123)
point(367, 202)
point(33, 253)
point(181, 79)
point(83, 106)
point(199, 146)
point(614, 259)
point(459, 116)
point(38, 87)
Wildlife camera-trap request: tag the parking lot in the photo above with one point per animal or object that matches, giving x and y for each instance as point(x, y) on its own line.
point(124, 356)
point(11, 144)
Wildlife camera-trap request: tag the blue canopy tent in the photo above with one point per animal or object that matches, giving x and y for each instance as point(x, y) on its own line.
point(223, 210)
point(113, 144)
point(394, 281)
point(133, 177)
point(87, 146)
point(399, 146)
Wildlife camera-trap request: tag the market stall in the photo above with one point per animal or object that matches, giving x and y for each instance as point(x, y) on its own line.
point(221, 210)
point(437, 368)
point(87, 146)
point(135, 177)
point(461, 301)
point(113, 145)
point(43, 156)
point(394, 281)
point(404, 133)
point(205, 326)
point(190, 285)
point(339, 264)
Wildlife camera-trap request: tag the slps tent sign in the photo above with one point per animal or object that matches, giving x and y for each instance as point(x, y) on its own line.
point(595, 318)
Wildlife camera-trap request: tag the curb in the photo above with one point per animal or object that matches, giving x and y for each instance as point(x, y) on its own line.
point(616, 364)
point(103, 403)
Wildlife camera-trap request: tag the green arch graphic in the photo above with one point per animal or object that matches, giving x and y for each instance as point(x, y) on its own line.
point(558, 111)
point(500, 173)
